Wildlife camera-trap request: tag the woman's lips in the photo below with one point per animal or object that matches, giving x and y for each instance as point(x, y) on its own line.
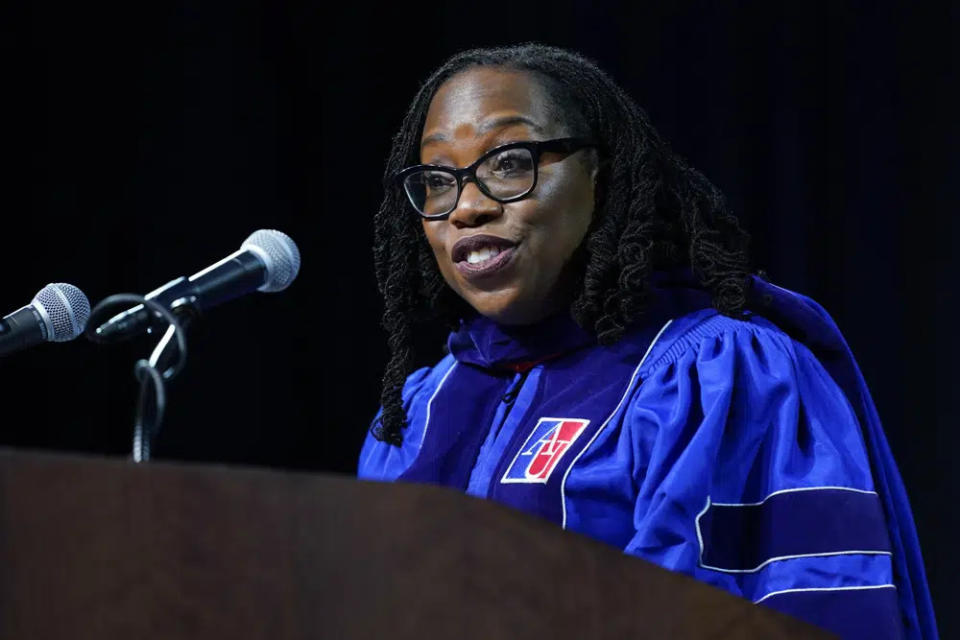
point(487, 268)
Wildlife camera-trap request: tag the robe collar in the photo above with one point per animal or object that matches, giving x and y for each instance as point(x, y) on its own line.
point(482, 342)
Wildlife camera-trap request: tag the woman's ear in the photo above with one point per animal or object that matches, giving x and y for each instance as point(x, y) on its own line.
point(592, 162)
point(595, 172)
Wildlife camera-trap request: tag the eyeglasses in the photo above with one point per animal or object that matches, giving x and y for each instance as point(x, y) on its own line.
point(506, 174)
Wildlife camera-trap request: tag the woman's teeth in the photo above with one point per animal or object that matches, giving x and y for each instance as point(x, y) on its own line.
point(482, 255)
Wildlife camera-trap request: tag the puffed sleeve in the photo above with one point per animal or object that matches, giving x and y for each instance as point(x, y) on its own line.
point(753, 476)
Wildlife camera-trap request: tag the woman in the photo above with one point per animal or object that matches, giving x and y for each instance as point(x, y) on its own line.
point(613, 366)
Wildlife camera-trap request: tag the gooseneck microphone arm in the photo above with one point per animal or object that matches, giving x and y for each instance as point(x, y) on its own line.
point(151, 373)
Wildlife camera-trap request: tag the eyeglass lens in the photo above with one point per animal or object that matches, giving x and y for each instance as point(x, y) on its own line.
point(504, 175)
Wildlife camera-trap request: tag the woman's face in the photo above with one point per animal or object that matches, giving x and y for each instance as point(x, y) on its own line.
point(471, 113)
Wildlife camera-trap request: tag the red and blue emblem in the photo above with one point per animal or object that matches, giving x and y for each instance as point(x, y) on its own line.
point(542, 450)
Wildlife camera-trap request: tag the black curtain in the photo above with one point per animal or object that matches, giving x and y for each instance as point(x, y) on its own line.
point(144, 141)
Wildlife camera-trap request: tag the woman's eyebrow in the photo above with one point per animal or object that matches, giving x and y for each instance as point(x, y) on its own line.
point(504, 121)
point(488, 126)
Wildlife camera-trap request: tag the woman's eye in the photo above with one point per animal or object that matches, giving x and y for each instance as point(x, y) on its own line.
point(438, 181)
point(512, 162)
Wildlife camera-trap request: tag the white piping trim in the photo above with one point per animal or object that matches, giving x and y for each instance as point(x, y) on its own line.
point(426, 424)
point(854, 552)
point(563, 482)
point(781, 491)
point(869, 586)
point(700, 535)
point(769, 560)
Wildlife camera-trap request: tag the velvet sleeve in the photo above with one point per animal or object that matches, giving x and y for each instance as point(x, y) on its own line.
point(752, 475)
point(381, 461)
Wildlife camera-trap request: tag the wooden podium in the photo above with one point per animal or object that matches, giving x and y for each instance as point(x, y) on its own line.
point(103, 548)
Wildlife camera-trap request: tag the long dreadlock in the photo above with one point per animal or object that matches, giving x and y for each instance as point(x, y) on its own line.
point(652, 211)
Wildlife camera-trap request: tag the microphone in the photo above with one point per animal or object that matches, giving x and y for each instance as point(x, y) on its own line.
point(268, 261)
point(58, 313)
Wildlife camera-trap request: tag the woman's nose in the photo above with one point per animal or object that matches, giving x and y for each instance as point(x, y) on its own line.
point(474, 207)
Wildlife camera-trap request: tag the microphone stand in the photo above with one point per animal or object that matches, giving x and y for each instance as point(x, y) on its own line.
point(165, 362)
point(160, 367)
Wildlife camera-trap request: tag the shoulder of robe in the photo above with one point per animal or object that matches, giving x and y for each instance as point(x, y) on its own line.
point(689, 333)
point(426, 379)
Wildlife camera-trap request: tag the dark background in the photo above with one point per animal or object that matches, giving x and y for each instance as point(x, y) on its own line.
point(143, 141)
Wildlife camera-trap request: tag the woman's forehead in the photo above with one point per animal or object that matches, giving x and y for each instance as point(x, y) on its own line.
point(475, 101)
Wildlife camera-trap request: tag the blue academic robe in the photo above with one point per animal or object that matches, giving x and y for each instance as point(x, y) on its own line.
point(746, 453)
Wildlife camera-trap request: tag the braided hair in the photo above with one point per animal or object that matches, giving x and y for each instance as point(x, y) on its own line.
point(651, 211)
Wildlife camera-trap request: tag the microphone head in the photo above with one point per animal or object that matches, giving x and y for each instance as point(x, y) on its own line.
point(280, 255)
point(64, 309)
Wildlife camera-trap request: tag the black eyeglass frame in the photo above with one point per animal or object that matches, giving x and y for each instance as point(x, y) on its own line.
point(535, 147)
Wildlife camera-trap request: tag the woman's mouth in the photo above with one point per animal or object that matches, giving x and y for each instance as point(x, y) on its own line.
point(481, 255)
point(485, 261)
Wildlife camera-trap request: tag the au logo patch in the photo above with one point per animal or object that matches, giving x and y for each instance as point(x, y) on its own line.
point(542, 450)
